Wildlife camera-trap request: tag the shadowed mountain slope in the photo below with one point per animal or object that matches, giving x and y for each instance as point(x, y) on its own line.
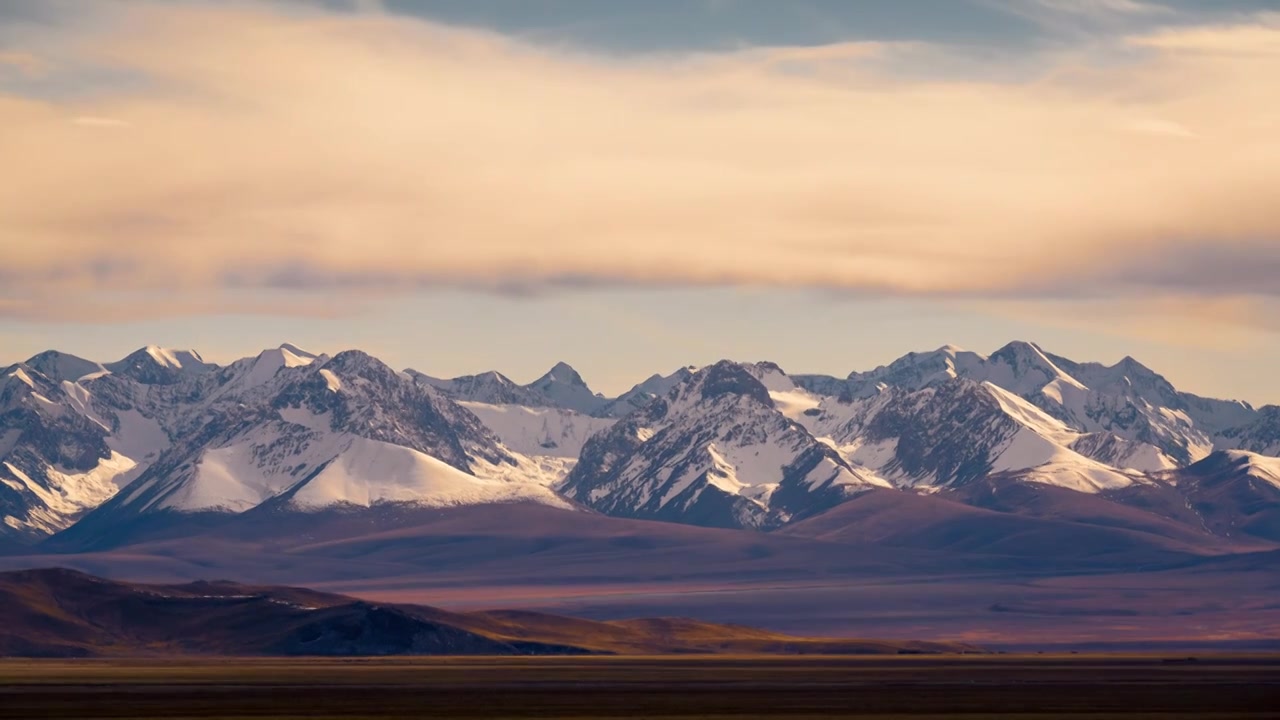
point(63, 613)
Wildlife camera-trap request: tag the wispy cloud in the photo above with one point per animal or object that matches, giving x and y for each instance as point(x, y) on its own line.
point(352, 153)
point(129, 307)
point(1084, 18)
point(1097, 8)
point(93, 121)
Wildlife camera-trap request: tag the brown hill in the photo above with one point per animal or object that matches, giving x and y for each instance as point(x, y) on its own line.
point(64, 613)
point(1013, 519)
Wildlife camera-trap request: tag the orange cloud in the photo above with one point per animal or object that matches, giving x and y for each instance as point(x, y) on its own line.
point(258, 147)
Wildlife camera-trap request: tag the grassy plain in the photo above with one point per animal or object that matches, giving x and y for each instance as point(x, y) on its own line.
point(915, 687)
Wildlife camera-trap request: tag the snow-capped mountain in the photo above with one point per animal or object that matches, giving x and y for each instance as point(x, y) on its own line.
point(1260, 434)
point(714, 451)
point(564, 387)
point(958, 431)
point(1127, 400)
point(560, 387)
point(59, 366)
point(346, 431)
point(644, 392)
point(543, 432)
point(490, 388)
point(733, 444)
point(153, 365)
point(549, 419)
point(283, 426)
point(941, 420)
point(55, 462)
point(1234, 493)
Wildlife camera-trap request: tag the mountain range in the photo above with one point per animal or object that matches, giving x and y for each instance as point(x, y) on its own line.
point(973, 478)
point(87, 448)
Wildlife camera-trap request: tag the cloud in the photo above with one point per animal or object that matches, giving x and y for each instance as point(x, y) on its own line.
point(99, 122)
point(1082, 17)
point(127, 307)
point(1098, 7)
point(344, 154)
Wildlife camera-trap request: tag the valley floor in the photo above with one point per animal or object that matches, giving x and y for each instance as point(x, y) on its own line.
point(1183, 609)
point(917, 687)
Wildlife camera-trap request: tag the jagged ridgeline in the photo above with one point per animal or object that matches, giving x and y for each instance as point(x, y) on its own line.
point(87, 448)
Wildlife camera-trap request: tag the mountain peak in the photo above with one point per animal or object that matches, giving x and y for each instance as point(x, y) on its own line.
point(1022, 356)
point(287, 356)
point(1131, 365)
point(1020, 348)
point(915, 370)
point(173, 358)
point(728, 377)
point(716, 452)
point(297, 351)
point(361, 363)
point(495, 377)
point(490, 387)
point(58, 366)
point(155, 365)
point(562, 372)
point(563, 387)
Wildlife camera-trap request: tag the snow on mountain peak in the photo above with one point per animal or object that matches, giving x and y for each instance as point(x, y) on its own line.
point(297, 352)
point(730, 443)
point(60, 366)
point(655, 386)
point(22, 377)
point(562, 372)
point(1260, 466)
point(490, 388)
point(1042, 449)
point(496, 378)
point(730, 378)
point(1023, 367)
point(174, 358)
point(269, 363)
point(915, 371)
point(323, 432)
point(154, 365)
point(771, 376)
point(562, 386)
point(715, 451)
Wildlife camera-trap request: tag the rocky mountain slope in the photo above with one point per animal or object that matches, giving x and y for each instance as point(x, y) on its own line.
point(560, 387)
point(286, 427)
point(1127, 400)
point(1233, 493)
point(714, 451)
point(730, 445)
point(551, 418)
point(929, 422)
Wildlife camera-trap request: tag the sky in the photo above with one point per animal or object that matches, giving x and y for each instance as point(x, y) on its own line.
point(633, 187)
